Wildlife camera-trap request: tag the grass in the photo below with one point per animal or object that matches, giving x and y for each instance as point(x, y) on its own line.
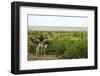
point(67, 45)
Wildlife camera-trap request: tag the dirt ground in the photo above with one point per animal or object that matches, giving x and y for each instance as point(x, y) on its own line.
point(46, 57)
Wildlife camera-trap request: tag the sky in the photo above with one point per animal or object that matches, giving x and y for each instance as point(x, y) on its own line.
point(66, 21)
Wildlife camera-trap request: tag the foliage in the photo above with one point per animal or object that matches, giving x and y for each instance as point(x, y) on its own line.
point(69, 45)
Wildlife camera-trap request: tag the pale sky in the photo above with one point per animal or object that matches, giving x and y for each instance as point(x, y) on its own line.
point(42, 20)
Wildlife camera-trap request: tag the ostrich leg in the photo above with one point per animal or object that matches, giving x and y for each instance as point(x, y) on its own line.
point(44, 51)
point(41, 48)
point(37, 51)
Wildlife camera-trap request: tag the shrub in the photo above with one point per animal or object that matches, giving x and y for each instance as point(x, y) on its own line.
point(76, 50)
point(65, 44)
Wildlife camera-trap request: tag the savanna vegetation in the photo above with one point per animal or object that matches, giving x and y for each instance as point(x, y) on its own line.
point(62, 45)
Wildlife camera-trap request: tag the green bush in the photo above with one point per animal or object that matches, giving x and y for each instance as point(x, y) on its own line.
point(66, 44)
point(76, 50)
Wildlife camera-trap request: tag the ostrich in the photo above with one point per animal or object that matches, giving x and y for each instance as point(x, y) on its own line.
point(41, 45)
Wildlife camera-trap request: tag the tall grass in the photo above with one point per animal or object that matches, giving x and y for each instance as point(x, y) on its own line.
point(68, 45)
